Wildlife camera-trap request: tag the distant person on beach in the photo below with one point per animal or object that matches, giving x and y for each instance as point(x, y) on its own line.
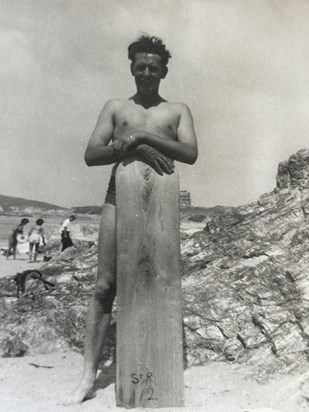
point(65, 233)
point(35, 234)
point(18, 230)
point(159, 132)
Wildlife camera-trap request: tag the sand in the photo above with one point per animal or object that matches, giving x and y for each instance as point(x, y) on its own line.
point(41, 383)
point(10, 267)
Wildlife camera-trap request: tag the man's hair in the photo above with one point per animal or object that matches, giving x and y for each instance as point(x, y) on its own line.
point(149, 44)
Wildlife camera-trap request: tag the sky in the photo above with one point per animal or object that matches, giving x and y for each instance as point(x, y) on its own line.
point(241, 66)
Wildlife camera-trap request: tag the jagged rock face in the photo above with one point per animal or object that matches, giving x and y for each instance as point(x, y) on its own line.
point(246, 285)
point(245, 291)
point(294, 172)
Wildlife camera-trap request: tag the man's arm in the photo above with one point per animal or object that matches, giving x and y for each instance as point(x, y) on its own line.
point(98, 151)
point(184, 149)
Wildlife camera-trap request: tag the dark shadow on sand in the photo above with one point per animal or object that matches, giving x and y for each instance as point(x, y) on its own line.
point(106, 377)
point(185, 346)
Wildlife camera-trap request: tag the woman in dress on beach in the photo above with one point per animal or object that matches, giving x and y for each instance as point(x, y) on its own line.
point(35, 234)
point(18, 230)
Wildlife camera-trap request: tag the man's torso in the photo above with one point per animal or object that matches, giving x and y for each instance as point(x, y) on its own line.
point(66, 225)
point(161, 120)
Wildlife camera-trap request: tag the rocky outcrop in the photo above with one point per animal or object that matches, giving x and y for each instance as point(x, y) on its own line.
point(246, 280)
point(245, 287)
point(48, 318)
point(294, 173)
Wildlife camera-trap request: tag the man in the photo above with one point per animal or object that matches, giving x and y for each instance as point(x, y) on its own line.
point(65, 233)
point(159, 132)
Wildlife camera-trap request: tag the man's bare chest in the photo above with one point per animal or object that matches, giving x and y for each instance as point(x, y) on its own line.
point(163, 121)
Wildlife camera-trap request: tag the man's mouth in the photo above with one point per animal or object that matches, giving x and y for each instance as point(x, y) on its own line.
point(146, 86)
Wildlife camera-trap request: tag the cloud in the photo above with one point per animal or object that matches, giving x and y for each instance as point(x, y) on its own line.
point(19, 61)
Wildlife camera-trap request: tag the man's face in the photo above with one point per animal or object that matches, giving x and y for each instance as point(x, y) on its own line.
point(148, 72)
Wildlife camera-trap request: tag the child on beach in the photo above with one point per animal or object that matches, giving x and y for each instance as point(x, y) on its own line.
point(19, 229)
point(35, 234)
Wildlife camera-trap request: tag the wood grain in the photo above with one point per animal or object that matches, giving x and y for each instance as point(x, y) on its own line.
point(149, 319)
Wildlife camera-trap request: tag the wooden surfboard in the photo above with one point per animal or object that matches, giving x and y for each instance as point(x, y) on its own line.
point(149, 313)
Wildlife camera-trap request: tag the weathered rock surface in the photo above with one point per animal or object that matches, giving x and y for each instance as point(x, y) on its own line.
point(294, 172)
point(246, 280)
point(245, 287)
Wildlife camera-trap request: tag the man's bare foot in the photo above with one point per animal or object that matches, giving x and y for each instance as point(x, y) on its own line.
point(83, 392)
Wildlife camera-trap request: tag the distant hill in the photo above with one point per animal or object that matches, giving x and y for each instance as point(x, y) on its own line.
point(188, 213)
point(198, 212)
point(13, 205)
point(90, 210)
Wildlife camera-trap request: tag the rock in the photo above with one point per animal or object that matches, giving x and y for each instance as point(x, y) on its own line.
point(294, 172)
point(283, 176)
point(11, 344)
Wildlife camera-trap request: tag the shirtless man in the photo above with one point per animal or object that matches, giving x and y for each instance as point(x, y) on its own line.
point(159, 132)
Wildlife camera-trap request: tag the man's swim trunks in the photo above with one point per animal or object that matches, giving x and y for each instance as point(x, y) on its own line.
point(111, 192)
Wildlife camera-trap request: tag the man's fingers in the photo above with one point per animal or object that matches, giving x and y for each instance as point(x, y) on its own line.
point(164, 164)
point(161, 164)
point(170, 164)
point(167, 164)
point(157, 167)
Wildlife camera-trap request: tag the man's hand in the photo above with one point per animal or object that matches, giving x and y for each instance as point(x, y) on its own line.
point(160, 163)
point(125, 144)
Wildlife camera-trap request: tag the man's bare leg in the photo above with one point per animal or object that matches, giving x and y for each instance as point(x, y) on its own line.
point(99, 311)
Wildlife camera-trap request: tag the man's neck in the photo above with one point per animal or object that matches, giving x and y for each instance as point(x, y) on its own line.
point(146, 100)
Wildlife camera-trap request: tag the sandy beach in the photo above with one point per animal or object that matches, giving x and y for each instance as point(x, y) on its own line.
point(33, 384)
point(10, 267)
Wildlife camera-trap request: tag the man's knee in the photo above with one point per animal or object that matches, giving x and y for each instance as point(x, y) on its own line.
point(105, 292)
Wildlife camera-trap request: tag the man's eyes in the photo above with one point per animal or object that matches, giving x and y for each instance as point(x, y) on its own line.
point(151, 69)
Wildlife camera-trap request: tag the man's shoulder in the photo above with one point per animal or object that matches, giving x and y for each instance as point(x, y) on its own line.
point(179, 107)
point(115, 103)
